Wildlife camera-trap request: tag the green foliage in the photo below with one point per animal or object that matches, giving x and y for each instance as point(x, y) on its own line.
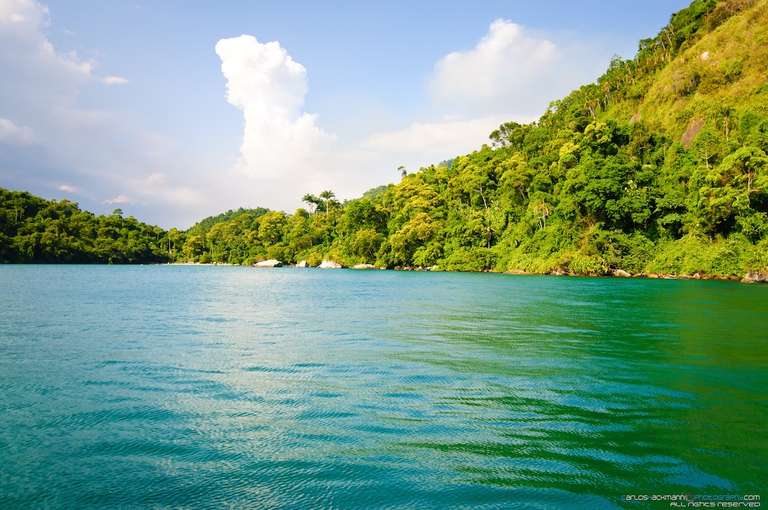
point(36, 230)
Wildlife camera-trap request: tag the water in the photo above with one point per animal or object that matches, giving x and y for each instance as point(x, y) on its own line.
point(179, 386)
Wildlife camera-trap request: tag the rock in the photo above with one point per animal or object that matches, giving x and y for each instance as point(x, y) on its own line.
point(363, 266)
point(434, 268)
point(330, 264)
point(620, 273)
point(755, 277)
point(302, 263)
point(693, 129)
point(269, 263)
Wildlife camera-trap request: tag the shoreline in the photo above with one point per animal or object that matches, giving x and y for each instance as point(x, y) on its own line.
point(749, 278)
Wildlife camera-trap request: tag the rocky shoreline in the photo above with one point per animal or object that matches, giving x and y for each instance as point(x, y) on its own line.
point(749, 277)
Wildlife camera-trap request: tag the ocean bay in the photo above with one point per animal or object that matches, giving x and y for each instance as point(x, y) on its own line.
point(210, 386)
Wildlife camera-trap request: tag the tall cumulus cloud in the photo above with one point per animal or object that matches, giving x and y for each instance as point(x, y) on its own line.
point(269, 87)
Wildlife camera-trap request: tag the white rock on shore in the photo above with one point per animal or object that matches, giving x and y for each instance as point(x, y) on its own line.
point(330, 264)
point(363, 266)
point(269, 263)
point(302, 263)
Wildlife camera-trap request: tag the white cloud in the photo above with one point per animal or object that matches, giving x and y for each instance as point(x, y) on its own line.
point(157, 186)
point(49, 138)
point(10, 133)
point(119, 200)
point(14, 12)
point(510, 70)
point(39, 73)
point(431, 142)
point(269, 87)
point(114, 80)
point(503, 64)
point(156, 179)
point(67, 188)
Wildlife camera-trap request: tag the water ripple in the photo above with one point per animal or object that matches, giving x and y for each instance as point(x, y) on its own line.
point(203, 387)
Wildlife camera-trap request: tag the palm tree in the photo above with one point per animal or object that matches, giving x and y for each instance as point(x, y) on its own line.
point(328, 197)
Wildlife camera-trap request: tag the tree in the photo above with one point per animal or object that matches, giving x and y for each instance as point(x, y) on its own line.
point(328, 198)
point(271, 227)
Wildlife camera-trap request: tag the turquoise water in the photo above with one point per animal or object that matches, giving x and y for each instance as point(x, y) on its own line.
point(209, 387)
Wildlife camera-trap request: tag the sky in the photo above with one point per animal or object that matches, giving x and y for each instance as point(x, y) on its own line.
point(176, 110)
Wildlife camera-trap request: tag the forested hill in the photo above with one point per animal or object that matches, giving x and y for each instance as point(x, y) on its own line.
point(33, 229)
point(659, 166)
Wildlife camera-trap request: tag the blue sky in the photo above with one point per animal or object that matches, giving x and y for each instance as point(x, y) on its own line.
point(125, 103)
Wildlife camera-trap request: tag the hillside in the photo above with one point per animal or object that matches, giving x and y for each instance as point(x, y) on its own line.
point(659, 166)
point(33, 229)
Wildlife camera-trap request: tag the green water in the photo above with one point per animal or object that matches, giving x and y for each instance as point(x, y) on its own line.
point(210, 387)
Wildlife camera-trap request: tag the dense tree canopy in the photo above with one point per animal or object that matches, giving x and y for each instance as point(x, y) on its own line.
point(36, 230)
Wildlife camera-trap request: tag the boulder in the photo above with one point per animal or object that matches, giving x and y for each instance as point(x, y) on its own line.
point(269, 263)
point(620, 273)
point(755, 277)
point(363, 266)
point(330, 264)
point(302, 263)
